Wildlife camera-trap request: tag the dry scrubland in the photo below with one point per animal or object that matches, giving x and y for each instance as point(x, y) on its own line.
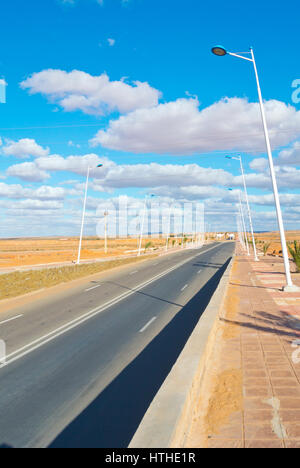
point(24, 252)
point(19, 283)
point(273, 239)
point(31, 252)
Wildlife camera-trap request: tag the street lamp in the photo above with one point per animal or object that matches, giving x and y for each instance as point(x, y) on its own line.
point(239, 232)
point(143, 222)
point(239, 158)
point(105, 230)
point(83, 213)
point(243, 220)
point(221, 51)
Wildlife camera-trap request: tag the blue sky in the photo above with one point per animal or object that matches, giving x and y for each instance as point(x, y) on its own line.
point(188, 108)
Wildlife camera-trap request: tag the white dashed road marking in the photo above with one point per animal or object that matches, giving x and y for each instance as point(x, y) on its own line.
point(11, 319)
point(94, 287)
point(147, 324)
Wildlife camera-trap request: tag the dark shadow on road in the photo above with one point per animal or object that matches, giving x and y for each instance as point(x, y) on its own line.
point(208, 265)
point(112, 419)
point(138, 291)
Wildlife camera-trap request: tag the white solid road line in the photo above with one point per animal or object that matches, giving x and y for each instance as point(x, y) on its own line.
point(94, 287)
point(184, 287)
point(147, 324)
point(11, 319)
point(30, 347)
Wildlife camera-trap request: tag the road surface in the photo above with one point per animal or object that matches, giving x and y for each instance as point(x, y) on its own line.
point(83, 365)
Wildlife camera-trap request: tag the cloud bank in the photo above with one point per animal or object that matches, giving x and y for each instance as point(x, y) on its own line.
point(94, 95)
point(180, 127)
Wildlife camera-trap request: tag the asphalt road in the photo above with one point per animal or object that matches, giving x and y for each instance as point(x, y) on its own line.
point(84, 365)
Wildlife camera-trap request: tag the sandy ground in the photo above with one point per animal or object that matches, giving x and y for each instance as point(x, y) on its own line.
point(274, 239)
point(24, 252)
point(42, 251)
point(29, 252)
point(221, 395)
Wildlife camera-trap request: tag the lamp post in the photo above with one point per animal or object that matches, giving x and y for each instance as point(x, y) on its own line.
point(221, 51)
point(83, 213)
point(143, 223)
point(239, 158)
point(169, 229)
point(244, 224)
point(105, 231)
point(243, 220)
point(239, 230)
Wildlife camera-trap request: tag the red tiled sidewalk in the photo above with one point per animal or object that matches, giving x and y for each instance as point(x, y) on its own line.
point(276, 319)
point(265, 346)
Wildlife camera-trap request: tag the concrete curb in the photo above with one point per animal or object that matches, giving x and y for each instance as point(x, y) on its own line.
point(167, 420)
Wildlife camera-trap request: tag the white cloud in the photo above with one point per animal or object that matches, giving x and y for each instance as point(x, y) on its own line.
point(71, 143)
point(290, 155)
point(111, 42)
point(286, 199)
point(17, 192)
point(24, 148)
point(179, 127)
point(158, 175)
point(27, 171)
point(190, 192)
point(74, 164)
point(96, 95)
point(259, 164)
point(36, 205)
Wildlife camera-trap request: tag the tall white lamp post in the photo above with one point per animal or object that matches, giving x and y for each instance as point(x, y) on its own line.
point(105, 230)
point(242, 220)
point(221, 51)
point(83, 212)
point(143, 223)
point(239, 158)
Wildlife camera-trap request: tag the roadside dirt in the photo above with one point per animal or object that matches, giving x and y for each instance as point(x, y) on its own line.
point(226, 399)
point(30, 252)
point(273, 239)
point(20, 283)
point(221, 397)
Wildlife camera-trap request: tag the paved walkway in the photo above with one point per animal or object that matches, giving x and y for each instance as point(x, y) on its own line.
point(254, 380)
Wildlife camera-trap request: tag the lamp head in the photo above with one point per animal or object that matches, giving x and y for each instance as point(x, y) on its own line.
point(219, 50)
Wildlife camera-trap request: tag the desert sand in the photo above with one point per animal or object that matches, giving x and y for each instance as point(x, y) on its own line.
point(27, 252)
